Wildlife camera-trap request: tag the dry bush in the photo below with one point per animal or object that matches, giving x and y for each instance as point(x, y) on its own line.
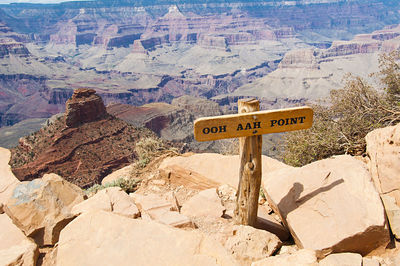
point(342, 122)
point(149, 148)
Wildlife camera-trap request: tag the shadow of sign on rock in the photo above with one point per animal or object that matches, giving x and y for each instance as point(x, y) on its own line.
point(292, 199)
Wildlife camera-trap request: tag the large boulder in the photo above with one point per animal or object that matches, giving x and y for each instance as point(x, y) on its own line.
point(7, 179)
point(219, 169)
point(383, 148)
point(15, 247)
point(104, 238)
point(42, 207)
point(329, 206)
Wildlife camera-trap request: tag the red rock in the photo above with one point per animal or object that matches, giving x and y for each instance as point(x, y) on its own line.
point(84, 106)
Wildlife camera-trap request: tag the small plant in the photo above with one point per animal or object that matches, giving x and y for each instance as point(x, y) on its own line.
point(148, 148)
point(127, 185)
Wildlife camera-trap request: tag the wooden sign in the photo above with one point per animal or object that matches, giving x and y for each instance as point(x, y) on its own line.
point(248, 126)
point(253, 123)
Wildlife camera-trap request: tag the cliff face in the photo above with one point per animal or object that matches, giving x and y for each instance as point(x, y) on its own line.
point(82, 152)
point(122, 23)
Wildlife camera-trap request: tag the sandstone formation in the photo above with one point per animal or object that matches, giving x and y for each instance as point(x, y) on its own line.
point(41, 208)
point(15, 247)
point(83, 146)
point(111, 199)
point(216, 167)
point(383, 148)
point(147, 242)
point(7, 179)
point(332, 193)
point(84, 106)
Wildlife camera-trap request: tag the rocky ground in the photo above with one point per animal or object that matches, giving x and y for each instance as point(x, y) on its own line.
point(338, 211)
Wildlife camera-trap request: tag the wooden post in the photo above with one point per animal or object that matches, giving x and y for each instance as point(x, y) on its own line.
point(250, 170)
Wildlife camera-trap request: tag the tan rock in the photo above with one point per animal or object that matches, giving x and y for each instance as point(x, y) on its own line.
point(124, 173)
point(393, 214)
point(42, 207)
point(7, 179)
point(100, 201)
point(175, 219)
point(112, 199)
point(121, 202)
point(205, 203)
point(303, 257)
point(15, 247)
point(248, 244)
point(152, 204)
point(50, 259)
point(226, 193)
point(370, 262)
point(220, 169)
point(342, 259)
point(136, 241)
point(383, 148)
point(155, 207)
point(333, 193)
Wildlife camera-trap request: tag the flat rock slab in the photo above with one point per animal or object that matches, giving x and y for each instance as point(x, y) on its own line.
point(204, 203)
point(342, 259)
point(220, 169)
point(42, 207)
point(7, 179)
point(15, 247)
point(104, 238)
point(154, 207)
point(303, 257)
point(329, 206)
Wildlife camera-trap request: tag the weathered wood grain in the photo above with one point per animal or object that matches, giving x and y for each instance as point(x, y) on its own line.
point(249, 172)
point(252, 123)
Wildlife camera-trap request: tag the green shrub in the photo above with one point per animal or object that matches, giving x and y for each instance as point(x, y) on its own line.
point(127, 185)
point(342, 121)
